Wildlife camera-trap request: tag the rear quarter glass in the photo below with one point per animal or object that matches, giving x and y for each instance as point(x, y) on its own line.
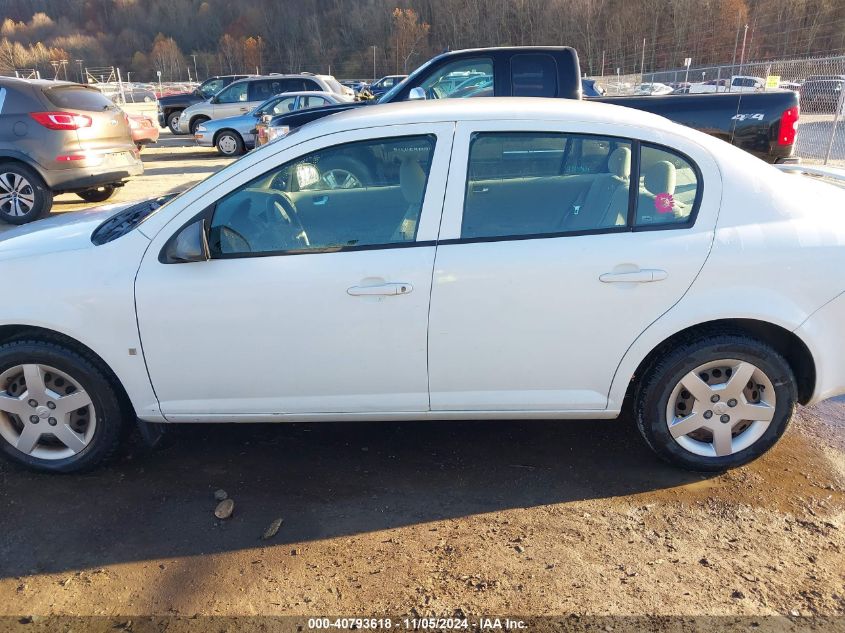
point(78, 98)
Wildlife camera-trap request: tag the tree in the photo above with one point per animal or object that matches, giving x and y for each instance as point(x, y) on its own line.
point(167, 58)
point(409, 34)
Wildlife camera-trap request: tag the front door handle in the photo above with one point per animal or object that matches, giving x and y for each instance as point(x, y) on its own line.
point(384, 290)
point(643, 276)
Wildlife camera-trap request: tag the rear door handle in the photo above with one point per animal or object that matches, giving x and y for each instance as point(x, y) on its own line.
point(644, 276)
point(388, 290)
point(320, 201)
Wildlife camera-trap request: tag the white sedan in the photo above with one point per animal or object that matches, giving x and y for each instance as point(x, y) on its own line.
point(493, 259)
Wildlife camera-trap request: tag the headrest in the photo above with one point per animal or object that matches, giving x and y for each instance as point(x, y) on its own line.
point(660, 178)
point(619, 162)
point(412, 181)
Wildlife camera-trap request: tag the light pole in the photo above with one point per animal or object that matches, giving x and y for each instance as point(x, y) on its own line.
point(196, 74)
point(81, 77)
point(374, 64)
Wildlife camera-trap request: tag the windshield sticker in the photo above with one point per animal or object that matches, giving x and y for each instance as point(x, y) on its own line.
point(664, 202)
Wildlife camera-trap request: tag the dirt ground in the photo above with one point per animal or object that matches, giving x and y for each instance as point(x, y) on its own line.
point(572, 519)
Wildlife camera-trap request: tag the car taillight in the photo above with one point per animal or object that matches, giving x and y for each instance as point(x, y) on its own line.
point(61, 120)
point(788, 127)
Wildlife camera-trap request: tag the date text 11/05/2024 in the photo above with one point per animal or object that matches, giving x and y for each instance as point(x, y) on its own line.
point(416, 624)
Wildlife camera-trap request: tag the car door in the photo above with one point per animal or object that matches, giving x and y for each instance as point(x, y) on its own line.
point(549, 266)
point(231, 101)
point(315, 299)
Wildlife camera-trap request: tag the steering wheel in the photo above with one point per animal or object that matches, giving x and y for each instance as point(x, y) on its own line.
point(292, 236)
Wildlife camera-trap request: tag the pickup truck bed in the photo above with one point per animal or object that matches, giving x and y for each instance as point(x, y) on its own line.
point(751, 121)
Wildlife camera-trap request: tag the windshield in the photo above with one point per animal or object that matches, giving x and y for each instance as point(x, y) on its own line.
point(387, 97)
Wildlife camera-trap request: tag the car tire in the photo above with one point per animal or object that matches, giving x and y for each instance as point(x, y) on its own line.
point(196, 122)
point(769, 393)
point(90, 435)
point(345, 172)
point(97, 194)
point(173, 122)
point(31, 190)
point(229, 143)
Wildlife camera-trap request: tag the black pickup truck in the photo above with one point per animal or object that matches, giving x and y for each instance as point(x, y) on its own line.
point(764, 123)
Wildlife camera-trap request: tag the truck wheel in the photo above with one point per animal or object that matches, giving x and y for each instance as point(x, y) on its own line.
point(24, 196)
point(715, 401)
point(173, 122)
point(97, 194)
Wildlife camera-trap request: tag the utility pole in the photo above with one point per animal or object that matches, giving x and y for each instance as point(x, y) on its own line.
point(374, 64)
point(642, 64)
point(81, 77)
point(742, 55)
point(602, 64)
point(196, 74)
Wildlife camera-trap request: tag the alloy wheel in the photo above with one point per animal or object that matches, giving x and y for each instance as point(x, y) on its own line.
point(341, 179)
point(721, 408)
point(44, 413)
point(17, 197)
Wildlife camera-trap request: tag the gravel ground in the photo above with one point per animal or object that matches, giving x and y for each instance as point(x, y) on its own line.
point(571, 519)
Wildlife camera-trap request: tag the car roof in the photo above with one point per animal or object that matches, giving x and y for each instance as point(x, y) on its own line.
point(494, 108)
point(40, 83)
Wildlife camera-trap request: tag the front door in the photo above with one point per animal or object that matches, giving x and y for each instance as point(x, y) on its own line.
point(316, 297)
point(549, 266)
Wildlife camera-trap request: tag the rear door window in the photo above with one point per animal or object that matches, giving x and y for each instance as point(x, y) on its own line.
point(260, 91)
point(533, 75)
point(73, 97)
point(669, 189)
point(536, 183)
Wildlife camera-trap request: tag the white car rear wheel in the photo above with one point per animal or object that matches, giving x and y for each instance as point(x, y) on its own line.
point(715, 401)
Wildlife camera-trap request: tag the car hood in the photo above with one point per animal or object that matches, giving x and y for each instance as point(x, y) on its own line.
point(179, 99)
point(232, 121)
point(69, 231)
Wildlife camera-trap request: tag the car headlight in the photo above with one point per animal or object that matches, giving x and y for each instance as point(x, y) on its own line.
point(274, 133)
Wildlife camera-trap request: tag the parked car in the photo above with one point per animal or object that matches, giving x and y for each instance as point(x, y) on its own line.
point(143, 129)
point(591, 88)
point(245, 95)
point(381, 86)
point(822, 95)
point(653, 89)
point(170, 107)
point(738, 83)
point(59, 137)
point(558, 292)
point(764, 124)
point(356, 86)
point(232, 136)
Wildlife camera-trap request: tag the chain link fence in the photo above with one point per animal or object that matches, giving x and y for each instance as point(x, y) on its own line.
point(819, 80)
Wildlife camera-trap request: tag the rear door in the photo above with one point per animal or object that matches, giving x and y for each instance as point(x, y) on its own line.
point(555, 254)
point(108, 132)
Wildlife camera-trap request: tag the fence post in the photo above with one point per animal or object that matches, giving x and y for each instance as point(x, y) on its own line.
point(839, 105)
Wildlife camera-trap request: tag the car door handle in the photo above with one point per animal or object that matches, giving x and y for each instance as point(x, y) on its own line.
point(644, 276)
point(390, 289)
point(320, 201)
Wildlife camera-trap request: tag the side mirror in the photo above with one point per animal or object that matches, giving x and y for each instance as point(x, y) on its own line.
point(416, 94)
point(214, 99)
point(189, 245)
point(266, 118)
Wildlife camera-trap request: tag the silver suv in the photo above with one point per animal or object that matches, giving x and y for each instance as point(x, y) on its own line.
point(243, 96)
point(59, 137)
